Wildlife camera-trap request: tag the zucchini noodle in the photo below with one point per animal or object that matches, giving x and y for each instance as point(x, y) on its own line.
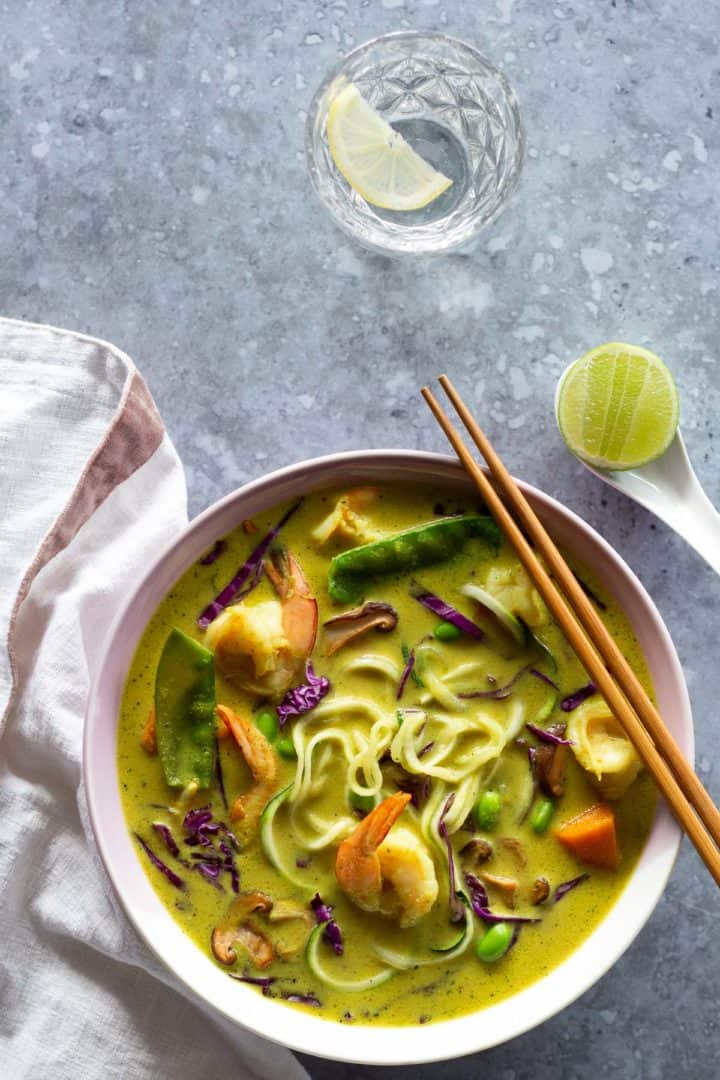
point(367, 759)
point(381, 665)
point(461, 744)
point(433, 683)
point(341, 743)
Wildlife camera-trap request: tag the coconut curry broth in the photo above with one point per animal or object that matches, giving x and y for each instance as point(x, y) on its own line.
point(441, 989)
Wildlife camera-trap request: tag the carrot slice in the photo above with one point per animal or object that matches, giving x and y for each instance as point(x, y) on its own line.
point(148, 740)
point(591, 837)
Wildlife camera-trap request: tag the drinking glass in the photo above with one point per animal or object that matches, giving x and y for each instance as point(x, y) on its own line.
point(455, 109)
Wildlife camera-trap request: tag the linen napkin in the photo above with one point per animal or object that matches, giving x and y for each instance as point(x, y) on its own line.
point(90, 489)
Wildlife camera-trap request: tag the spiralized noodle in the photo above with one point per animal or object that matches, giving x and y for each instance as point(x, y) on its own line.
point(340, 746)
point(461, 744)
point(426, 657)
point(367, 759)
point(381, 665)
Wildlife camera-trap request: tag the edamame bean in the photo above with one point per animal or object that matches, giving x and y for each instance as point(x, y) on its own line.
point(487, 810)
point(494, 943)
point(542, 815)
point(364, 803)
point(286, 749)
point(446, 631)
point(267, 722)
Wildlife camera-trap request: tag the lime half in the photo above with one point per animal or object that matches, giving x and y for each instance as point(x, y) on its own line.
point(617, 407)
point(375, 159)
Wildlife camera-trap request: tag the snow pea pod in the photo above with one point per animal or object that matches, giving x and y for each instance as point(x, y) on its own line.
point(185, 711)
point(433, 542)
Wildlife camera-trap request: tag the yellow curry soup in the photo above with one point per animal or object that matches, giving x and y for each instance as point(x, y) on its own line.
point(302, 824)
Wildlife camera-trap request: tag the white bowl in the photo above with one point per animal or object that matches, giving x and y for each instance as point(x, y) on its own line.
point(294, 1027)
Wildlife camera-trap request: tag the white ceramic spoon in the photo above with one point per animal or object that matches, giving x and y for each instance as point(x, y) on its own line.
point(670, 489)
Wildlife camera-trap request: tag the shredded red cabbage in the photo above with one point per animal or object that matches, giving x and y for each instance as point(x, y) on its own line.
point(214, 553)
point(159, 864)
point(303, 698)
point(321, 910)
point(446, 611)
point(210, 871)
point(230, 867)
point(302, 864)
point(219, 774)
point(254, 980)
point(426, 748)
point(200, 827)
point(302, 999)
point(481, 905)
point(323, 914)
point(544, 678)
point(577, 697)
point(568, 886)
point(251, 571)
point(548, 736)
point(167, 837)
point(407, 671)
point(202, 830)
point(498, 692)
point(457, 913)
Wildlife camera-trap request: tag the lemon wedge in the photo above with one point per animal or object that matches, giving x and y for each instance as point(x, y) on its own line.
point(375, 159)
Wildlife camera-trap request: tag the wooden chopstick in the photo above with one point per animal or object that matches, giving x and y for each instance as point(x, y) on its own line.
point(681, 797)
point(591, 621)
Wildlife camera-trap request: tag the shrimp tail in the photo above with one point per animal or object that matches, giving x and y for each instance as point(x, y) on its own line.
point(357, 867)
point(375, 827)
point(260, 759)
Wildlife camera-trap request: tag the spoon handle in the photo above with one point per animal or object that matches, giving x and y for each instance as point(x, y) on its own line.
point(699, 524)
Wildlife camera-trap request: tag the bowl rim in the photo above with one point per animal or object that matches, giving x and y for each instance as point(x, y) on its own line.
point(373, 1045)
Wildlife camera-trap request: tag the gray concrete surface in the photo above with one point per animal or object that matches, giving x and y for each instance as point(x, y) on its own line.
point(154, 193)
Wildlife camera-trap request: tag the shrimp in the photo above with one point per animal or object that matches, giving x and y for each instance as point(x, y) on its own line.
point(261, 760)
point(514, 589)
point(346, 523)
point(392, 874)
point(263, 647)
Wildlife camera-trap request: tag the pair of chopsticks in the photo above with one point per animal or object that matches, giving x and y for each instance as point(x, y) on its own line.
point(607, 667)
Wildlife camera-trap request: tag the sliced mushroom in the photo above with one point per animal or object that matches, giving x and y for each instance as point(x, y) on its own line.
point(516, 849)
point(374, 615)
point(507, 886)
point(476, 851)
point(540, 890)
point(550, 759)
point(236, 928)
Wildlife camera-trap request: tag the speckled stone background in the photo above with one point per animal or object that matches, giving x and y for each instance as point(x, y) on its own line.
point(154, 193)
